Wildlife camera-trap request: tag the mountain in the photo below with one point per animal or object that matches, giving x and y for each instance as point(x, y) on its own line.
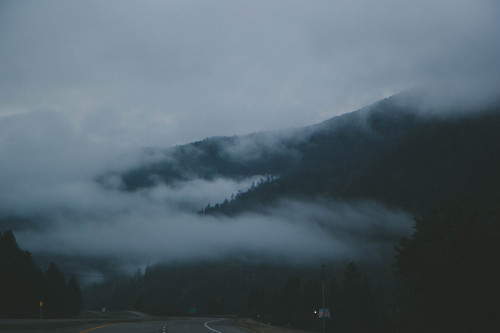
point(391, 151)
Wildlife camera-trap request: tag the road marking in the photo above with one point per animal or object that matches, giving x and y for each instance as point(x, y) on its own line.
point(98, 327)
point(213, 321)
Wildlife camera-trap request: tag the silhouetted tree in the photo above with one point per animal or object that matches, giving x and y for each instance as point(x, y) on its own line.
point(257, 302)
point(333, 299)
point(355, 312)
point(451, 267)
point(291, 301)
point(74, 298)
point(310, 301)
point(54, 292)
point(23, 286)
point(19, 280)
point(214, 306)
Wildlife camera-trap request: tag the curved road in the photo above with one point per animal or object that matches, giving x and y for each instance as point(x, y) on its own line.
point(189, 325)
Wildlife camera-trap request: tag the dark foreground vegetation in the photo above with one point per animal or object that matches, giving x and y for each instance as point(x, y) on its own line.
point(23, 286)
point(442, 279)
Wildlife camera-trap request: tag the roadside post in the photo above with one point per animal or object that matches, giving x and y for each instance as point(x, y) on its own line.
point(323, 293)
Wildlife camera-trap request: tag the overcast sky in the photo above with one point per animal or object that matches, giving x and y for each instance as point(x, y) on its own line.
point(142, 73)
point(85, 82)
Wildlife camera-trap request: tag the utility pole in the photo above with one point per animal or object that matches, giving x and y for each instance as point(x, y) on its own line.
point(41, 315)
point(323, 294)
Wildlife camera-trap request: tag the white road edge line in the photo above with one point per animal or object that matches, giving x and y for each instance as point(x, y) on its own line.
point(213, 321)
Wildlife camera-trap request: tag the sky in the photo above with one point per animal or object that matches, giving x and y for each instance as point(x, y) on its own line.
point(159, 73)
point(85, 85)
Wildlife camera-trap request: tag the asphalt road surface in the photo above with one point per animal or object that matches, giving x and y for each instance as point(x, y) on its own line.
point(191, 325)
point(204, 325)
point(188, 325)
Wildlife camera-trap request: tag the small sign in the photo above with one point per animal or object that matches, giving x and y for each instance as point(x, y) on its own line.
point(324, 313)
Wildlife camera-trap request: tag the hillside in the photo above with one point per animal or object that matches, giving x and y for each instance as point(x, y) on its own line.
point(389, 152)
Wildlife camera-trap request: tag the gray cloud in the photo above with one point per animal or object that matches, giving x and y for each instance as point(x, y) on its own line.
point(48, 165)
point(293, 232)
point(161, 73)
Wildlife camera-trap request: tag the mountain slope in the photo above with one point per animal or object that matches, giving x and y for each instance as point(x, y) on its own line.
point(387, 152)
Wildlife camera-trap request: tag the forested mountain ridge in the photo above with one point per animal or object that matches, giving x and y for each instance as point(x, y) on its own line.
point(389, 151)
point(443, 168)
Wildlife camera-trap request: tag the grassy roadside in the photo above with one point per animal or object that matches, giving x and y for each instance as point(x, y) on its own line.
point(32, 325)
point(258, 327)
point(86, 318)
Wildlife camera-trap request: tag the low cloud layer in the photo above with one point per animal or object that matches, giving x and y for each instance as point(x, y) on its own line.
point(59, 211)
point(294, 232)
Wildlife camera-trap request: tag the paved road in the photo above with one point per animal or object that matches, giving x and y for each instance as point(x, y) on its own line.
point(188, 325)
point(203, 325)
point(141, 327)
point(191, 325)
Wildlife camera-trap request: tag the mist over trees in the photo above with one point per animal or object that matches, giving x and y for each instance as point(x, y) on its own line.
point(95, 94)
point(390, 152)
point(23, 286)
point(441, 279)
point(441, 169)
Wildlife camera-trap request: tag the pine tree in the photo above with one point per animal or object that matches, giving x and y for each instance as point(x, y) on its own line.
point(54, 293)
point(73, 298)
point(257, 302)
point(451, 266)
point(23, 286)
point(356, 306)
point(19, 280)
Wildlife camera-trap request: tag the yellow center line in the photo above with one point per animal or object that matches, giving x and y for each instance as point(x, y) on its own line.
point(98, 327)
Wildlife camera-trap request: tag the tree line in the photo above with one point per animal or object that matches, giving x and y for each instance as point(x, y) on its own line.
point(245, 199)
point(445, 279)
point(441, 279)
point(27, 292)
point(403, 160)
point(450, 268)
point(350, 301)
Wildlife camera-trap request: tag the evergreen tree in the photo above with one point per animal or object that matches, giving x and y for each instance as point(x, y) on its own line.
point(19, 280)
point(74, 298)
point(23, 286)
point(451, 266)
point(291, 302)
point(257, 302)
point(311, 299)
point(333, 299)
point(356, 308)
point(214, 306)
point(54, 294)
